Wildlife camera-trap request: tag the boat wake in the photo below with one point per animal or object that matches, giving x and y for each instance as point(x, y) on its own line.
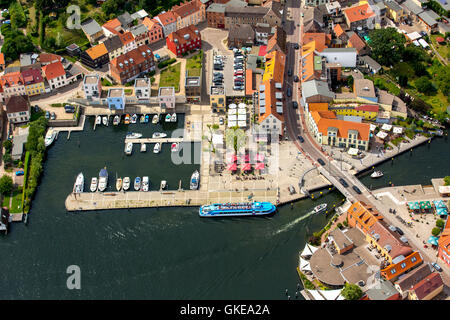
point(293, 223)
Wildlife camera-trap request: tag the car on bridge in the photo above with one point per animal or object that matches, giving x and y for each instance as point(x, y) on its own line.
point(289, 92)
point(301, 139)
point(296, 46)
point(294, 104)
point(437, 267)
point(356, 190)
point(296, 79)
point(343, 182)
point(321, 161)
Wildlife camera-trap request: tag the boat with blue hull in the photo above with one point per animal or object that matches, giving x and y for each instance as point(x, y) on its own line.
point(237, 209)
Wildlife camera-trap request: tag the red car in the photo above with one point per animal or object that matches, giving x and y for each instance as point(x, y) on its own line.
point(238, 73)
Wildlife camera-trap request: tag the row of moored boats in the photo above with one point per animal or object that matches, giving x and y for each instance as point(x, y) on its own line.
point(143, 118)
point(175, 147)
point(100, 183)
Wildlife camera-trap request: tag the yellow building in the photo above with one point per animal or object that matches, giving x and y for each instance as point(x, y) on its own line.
point(367, 112)
point(33, 81)
point(394, 11)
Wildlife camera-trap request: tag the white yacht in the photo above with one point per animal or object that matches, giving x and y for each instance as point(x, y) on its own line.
point(145, 183)
point(175, 147)
point(129, 148)
point(102, 180)
point(133, 135)
point(157, 148)
point(159, 135)
point(134, 118)
point(376, 174)
point(143, 147)
point(168, 117)
point(126, 183)
point(320, 207)
point(155, 119)
point(105, 120)
point(163, 184)
point(50, 137)
point(173, 118)
point(195, 178)
point(94, 184)
point(78, 187)
point(98, 120)
point(116, 120)
point(119, 183)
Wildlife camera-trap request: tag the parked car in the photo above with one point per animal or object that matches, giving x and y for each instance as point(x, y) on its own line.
point(343, 182)
point(290, 72)
point(289, 92)
point(321, 161)
point(437, 267)
point(301, 138)
point(69, 109)
point(400, 232)
point(356, 190)
point(294, 104)
point(20, 173)
point(221, 121)
point(52, 116)
point(296, 46)
point(296, 79)
point(47, 115)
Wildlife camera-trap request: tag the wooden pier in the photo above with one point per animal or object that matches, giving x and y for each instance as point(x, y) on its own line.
point(88, 201)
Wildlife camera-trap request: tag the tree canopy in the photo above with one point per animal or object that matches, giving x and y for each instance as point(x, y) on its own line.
point(387, 45)
point(352, 292)
point(424, 85)
point(6, 184)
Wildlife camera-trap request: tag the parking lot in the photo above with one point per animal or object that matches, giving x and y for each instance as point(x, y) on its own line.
point(223, 68)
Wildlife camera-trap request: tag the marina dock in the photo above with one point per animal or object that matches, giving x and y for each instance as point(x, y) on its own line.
point(88, 201)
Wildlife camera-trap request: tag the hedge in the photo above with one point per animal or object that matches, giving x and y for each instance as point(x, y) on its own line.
point(25, 176)
point(166, 63)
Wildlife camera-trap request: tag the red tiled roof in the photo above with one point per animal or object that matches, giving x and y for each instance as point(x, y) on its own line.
point(31, 76)
point(53, 70)
point(428, 285)
point(271, 108)
point(126, 37)
point(386, 237)
point(185, 9)
point(368, 107)
point(356, 42)
point(338, 30)
point(49, 57)
point(358, 13)
point(151, 23)
point(191, 30)
point(249, 82)
point(167, 18)
point(135, 54)
point(327, 119)
point(11, 79)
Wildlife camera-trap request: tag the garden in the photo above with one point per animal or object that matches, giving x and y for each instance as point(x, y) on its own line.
point(170, 77)
point(194, 64)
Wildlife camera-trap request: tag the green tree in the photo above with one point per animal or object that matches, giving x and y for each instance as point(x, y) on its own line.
point(7, 145)
point(435, 232)
point(387, 45)
point(424, 85)
point(350, 81)
point(440, 223)
point(352, 292)
point(6, 184)
point(447, 180)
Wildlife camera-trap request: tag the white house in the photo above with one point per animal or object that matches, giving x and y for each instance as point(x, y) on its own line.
point(55, 75)
point(92, 86)
point(18, 109)
point(142, 88)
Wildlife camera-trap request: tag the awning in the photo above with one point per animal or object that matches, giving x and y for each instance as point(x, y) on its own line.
point(242, 111)
point(242, 124)
point(316, 295)
point(382, 135)
point(386, 127)
point(232, 123)
point(308, 250)
point(331, 294)
point(246, 167)
point(245, 158)
point(242, 105)
point(352, 151)
point(372, 127)
point(231, 157)
point(413, 205)
point(398, 130)
point(232, 111)
point(433, 240)
point(259, 157)
point(259, 166)
point(232, 167)
point(425, 205)
point(304, 265)
point(232, 106)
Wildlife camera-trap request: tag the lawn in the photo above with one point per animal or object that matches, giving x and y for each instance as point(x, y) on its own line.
point(194, 64)
point(16, 204)
point(170, 77)
point(442, 49)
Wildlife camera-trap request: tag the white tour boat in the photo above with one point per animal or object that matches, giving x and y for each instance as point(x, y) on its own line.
point(376, 174)
point(320, 207)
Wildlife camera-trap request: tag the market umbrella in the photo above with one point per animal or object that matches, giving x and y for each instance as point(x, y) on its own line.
point(232, 167)
point(245, 158)
point(433, 240)
point(231, 157)
point(413, 205)
point(439, 204)
point(441, 211)
point(259, 166)
point(425, 205)
point(246, 166)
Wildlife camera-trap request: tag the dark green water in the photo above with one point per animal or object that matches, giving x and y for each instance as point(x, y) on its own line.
point(145, 253)
point(154, 253)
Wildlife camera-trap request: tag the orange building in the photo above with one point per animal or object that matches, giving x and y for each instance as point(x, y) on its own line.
point(362, 216)
point(444, 244)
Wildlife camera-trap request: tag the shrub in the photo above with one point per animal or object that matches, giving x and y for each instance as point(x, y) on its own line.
point(352, 292)
point(436, 231)
point(6, 184)
point(166, 63)
point(440, 223)
point(339, 225)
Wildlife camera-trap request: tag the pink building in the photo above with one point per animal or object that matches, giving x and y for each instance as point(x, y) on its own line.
point(155, 30)
point(166, 98)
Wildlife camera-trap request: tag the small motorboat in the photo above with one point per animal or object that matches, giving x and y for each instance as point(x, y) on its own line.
point(142, 119)
point(105, 120)
point(145, 183)
point(126, 183)
point(168, 118)
point(102, 180)
point(134, 118)
point(175, 147)
point(147, 118)
point(94, 184)
point(116, 120)
point(137, 183)
point(195, 178)
point(163, 185)
point(155, 119)
point(157, 148)
point(78, 187)
point(133, 135)
point(98, 120)
point(127, 119)
point(320, 207)
point(119, 184)
point(129, 148)
point(159, 135)
point(376, 174)
point(143, 147)
point(173, 118)
point(49, 137)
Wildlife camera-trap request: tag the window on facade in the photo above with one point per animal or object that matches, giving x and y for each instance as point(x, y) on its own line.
point(393, 271)
point(413, 259)
point(403, 265)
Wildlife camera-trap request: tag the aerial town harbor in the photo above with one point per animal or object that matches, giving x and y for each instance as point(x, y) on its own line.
point(330, 115)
